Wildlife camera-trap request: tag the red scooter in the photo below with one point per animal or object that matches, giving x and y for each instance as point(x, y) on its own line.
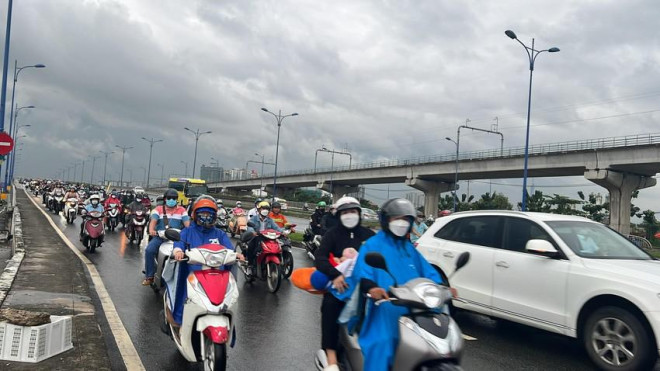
point(269, 261)
point(93, 231)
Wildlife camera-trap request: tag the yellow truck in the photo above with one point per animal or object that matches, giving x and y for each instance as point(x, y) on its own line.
point(188, 189)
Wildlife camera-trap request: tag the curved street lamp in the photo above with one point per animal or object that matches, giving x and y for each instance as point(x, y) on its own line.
point(279, 117)
point(197, 135)
point(151, 149)
point(531, 54)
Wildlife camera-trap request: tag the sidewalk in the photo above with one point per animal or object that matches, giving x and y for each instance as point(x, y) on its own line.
point(52, 279)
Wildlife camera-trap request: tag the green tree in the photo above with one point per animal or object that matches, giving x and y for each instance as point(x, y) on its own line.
point(463, 203)
point(495, 201)
point(536, 202)
point(563, 205)
point(649, 223)
point(593, 208)
point(634, 210)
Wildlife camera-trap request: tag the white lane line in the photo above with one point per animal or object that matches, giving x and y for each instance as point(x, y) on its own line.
point(469, 338)
point(126, 348)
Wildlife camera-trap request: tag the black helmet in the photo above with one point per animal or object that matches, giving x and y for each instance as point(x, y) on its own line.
point(276, 205)
point(396, 207)
point(171, 193)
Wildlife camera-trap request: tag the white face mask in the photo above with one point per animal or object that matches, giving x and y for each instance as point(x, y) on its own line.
point(399, 227)
point(264, 212)
point(349, 220)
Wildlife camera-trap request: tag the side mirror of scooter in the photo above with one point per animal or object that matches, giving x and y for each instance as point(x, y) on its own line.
point(462, 260)
point(376, 260)
point(251, 225)
point(173, 235)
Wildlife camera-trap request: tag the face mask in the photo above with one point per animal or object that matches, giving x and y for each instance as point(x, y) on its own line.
point(264, 212)
point(205, 220)
point(399, 227)
point(350, 220)
point(138, 199)
point(170, 203)
point(94, 202)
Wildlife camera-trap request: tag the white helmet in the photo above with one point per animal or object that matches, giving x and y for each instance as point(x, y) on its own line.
point(346, 203)
point(94, 197)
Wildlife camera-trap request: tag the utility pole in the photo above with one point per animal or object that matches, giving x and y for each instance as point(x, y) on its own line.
point(151, 149)
point(105, 165)
point(123, 152)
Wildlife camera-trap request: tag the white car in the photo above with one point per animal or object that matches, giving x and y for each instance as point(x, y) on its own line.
point(137, 190)
point(563, 274)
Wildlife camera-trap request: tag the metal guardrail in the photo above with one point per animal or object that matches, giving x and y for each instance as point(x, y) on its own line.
point(535, 150)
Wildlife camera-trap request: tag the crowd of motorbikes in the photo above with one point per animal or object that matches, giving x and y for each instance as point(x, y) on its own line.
point(428, 335)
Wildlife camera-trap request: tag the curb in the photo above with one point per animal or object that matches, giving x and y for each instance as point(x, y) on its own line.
point(18, 253)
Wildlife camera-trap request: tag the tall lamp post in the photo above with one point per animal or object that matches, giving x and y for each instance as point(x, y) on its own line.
point(455, 171)
point(151, 149)
point(162, 172)
point(531, 55)
point(91, 177)
point(123, 152)
point(197, 135)
point(105, 164)
point(9, 169)
point(145, 174)
point(279, 117)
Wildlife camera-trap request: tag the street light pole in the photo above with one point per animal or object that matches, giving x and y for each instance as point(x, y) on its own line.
point(82, 172)
point(279, 119)
point(123, 152)
point(197, 135)
point(105, 165)
point(186, 163)
point(9, 168)
point(162, 172)
point(531, 55)
point(75, 170)
point(455, 170)
point(91, 178)
point(151, 148)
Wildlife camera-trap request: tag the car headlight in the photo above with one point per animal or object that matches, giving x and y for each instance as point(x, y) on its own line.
point(431, 294)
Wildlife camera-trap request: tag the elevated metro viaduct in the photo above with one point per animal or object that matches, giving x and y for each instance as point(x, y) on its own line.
point(621, 165)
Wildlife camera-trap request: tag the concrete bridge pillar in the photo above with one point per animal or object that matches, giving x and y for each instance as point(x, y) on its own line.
point(621, 187)
point(337, 190)
point(432, 190)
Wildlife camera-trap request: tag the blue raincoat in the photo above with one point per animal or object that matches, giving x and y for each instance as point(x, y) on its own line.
point(379, 334)
point(194, 236)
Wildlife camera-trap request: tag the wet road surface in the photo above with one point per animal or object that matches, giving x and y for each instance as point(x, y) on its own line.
point(282, 331)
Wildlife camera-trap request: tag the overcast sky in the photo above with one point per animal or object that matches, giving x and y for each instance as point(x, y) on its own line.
point(384, 79)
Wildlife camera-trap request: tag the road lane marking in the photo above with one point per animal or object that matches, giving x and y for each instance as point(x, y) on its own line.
point(127, 350)
point(469, 338)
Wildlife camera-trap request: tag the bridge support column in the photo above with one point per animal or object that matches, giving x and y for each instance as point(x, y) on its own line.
point(621, 187)
point(431, 191)
point(337, 190)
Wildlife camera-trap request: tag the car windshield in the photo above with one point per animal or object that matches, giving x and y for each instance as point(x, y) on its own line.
point(596, 241)
point(195, 190)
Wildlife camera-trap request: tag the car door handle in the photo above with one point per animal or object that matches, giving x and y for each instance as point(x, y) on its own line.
point(448, 255)
point(502, 264)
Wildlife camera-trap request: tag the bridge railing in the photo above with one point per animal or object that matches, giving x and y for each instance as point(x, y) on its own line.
point(534, 150)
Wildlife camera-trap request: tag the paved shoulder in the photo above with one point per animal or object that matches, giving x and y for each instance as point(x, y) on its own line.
point(52, 279)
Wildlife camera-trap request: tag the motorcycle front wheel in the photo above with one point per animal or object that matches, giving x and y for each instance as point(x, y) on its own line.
point(92, 245)
point(215, 356)
point(274, 277)
point(287, 264)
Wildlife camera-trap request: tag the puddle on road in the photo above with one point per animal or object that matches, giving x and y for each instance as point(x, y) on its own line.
point(48, 301)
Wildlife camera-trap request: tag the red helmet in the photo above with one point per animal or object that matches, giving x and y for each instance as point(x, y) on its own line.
point(445, 213)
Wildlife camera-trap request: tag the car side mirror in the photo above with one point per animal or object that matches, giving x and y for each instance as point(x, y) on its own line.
point(541, 247)
point(173, 235)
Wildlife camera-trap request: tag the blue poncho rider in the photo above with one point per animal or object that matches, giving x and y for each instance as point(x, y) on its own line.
point(379, 334)
point(201, 232)
point(260, 222)
point(93, 205)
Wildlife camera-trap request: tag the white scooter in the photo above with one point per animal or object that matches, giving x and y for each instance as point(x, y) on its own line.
point(428, 339)
point(164, 253)
point(71, 210)
point(207, 325)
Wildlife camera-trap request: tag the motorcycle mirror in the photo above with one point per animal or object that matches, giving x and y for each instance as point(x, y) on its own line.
point(250, 224)
point(376, 260)
point(463, 259)
point(173, 235)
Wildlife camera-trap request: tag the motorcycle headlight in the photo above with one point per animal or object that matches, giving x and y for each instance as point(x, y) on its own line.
point(431, 294)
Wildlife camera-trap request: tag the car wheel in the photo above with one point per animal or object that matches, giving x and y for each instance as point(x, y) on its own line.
point(615, 339)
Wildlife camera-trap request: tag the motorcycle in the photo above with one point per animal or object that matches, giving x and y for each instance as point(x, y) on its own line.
point(207, 325)
point(113, 216)
point(269, 262)
point(287, 256)
point(71, 210)
point(238, 223)
point(221, 222)
point(135, 230)
point(428, 339)
point(311, 242)
point(93, 231)
point(58, 203)
point(164, 253)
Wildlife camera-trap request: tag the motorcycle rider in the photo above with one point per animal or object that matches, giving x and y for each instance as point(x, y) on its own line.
point(277, 216)
point(379, 333)
point(260, 222)
point(71, 193)
point(239, 206)
point(221, 207)
point(132, 208)
point(144, 199)
point(317, 228)
point(201, 232)
point(254, 211)
point(93, 205)
point(168, 215)
point(329, 219)
point(347, 234)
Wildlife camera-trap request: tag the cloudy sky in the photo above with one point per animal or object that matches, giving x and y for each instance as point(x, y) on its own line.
point(383, 79)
